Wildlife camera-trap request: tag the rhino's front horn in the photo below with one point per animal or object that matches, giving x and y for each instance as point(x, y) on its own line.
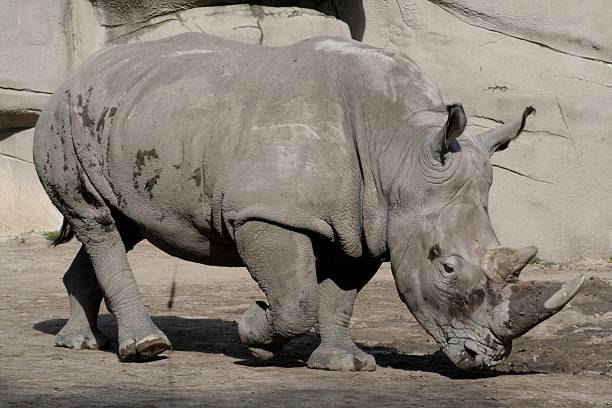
point(530, 303)
point(505, 264)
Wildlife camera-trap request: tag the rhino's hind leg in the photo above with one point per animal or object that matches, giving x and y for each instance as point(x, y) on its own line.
point(81, 331)
point(106, 240)
point(139, 338)
point(338, 289)
point(283, 264)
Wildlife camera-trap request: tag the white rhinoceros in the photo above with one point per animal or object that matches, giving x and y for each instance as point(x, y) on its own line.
point(309, 164)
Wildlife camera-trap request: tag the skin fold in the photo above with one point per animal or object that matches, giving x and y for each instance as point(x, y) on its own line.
point(309, 164)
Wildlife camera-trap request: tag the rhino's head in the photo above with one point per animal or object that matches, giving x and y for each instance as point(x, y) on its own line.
point(449, 267)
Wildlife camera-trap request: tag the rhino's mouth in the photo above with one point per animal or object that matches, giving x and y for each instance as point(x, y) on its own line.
point(474, 354)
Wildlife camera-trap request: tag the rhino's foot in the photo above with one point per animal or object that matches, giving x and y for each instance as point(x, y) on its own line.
point(341, 358)
point(82, 337)
point(255, 332)
point(142, 348)
point(266, 352)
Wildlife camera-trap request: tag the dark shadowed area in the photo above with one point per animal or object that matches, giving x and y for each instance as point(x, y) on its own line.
point(566, 361)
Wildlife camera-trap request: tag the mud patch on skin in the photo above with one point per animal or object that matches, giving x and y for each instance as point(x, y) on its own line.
point(100, 124)
point(152, 182)
point(526, 306)
point(83, 112)
point(143, 173)
point(88, 120)
point(143, 155)
point(197, 177)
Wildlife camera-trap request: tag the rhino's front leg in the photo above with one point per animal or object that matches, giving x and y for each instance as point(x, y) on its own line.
point(338, 289)
point(283, 264)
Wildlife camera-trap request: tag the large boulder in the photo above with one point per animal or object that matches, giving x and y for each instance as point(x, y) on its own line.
point(246, 23)
point(114, 13)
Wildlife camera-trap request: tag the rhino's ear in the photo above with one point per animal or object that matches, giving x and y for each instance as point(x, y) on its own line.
point(446, 139)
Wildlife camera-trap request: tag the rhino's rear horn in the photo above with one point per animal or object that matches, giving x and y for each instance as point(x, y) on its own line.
point(445, 140)
point(500, 137)
point(505, 264)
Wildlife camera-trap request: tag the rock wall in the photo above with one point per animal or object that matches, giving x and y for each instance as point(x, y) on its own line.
point(552, 188)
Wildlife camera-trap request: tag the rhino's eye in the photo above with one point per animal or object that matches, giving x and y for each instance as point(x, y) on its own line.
point(448, 268)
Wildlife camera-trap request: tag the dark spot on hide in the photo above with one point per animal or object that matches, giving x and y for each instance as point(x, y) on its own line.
point(121, 201)
point(88, 121)
point(100, 124)
point(467, 304)
point(150, 183)
point(144, 157)
point(197, 177)
point(476, 298)
point(112, 112)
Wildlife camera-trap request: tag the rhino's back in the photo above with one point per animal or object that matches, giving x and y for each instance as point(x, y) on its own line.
point(198, 132)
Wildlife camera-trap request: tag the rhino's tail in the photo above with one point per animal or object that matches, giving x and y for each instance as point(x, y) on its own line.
point(66, 234)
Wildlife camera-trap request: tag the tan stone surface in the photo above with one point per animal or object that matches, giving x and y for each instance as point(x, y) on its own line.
point(497, 58)
point(24, 205)
point(35, 54)
point(252, 24)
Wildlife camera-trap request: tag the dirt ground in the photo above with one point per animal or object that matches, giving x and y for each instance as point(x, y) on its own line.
point(565, 362)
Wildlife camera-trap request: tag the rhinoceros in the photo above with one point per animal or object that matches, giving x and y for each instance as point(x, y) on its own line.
point(310, 164)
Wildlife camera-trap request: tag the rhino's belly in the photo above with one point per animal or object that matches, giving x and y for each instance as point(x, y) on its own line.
point(189, 242)
point(170, 206)
point(200, 250)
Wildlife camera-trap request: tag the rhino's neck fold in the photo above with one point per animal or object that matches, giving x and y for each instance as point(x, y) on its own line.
point(373, 204)
point(401, 155)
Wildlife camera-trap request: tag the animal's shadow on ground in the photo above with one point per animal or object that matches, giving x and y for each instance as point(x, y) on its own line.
point(216, 336)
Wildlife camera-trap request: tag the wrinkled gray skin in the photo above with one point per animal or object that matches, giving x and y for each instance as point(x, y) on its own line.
point(310, 165)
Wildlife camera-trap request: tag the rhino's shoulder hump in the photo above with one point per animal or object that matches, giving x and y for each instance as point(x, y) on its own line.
point(342, 47)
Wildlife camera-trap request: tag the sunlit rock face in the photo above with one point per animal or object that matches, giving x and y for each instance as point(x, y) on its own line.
point(552, 189)
point(261, 25)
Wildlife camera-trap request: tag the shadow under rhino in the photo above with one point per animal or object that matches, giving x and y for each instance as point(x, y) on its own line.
point(218, 336)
